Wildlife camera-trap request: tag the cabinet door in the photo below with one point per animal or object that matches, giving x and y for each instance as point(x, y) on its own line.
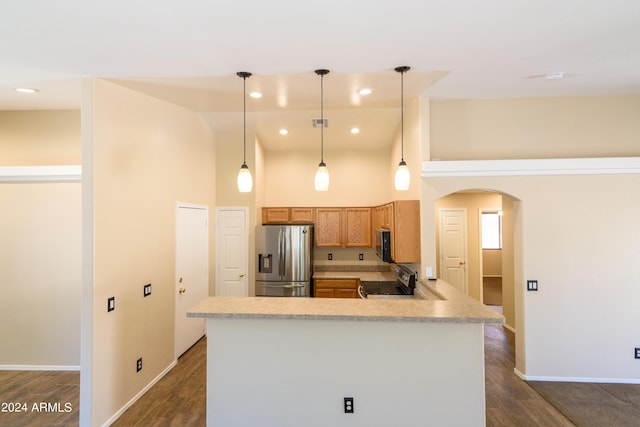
point(345, 293)
point(336, 288)
point(275, 215)
point(328, 227)
point(302, 215)
point(358, 227)
point(405, 236)
point(323, 293)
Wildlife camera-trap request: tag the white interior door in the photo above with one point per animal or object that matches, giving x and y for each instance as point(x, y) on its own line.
point(192, 272)
point(232, 252)
point(453, 247)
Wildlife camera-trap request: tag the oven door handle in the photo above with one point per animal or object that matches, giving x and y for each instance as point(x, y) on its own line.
point(361, 292)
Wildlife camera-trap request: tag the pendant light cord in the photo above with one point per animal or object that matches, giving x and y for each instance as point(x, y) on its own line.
point(322, 118)
point(244, 119)
point(244, 75)
point(402, 70)
point(322, 73)
point(402, 116)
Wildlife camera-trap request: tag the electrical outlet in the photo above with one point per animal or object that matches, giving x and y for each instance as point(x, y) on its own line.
point(111, 304)
point(147, 290)
point(139, 365)
point(532, 285)
point(637, 353)
point(330, 257)
point(361, 257)
point(348, 405)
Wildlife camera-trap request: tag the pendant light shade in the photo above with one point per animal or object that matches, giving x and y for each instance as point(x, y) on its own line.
point(322, 174)
point(245, 181)
point(403, 177)
point(322, 177)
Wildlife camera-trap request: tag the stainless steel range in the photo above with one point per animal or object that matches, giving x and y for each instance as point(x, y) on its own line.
point(403, 286)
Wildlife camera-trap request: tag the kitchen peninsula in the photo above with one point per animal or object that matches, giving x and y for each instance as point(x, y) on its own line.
point(292, 361)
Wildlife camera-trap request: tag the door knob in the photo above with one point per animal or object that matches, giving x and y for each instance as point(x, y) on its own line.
point(461, 262)
point(241, 275)
point(182, 290)
point(180, 280)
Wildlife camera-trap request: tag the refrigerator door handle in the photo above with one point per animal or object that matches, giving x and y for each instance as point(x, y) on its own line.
point(281, 250)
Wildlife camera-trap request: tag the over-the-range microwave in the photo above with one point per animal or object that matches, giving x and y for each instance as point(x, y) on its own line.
point(383, 244)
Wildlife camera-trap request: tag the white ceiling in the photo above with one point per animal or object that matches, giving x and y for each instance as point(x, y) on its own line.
point(188, 52)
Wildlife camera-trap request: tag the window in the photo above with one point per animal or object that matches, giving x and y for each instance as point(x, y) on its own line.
point(492, 230)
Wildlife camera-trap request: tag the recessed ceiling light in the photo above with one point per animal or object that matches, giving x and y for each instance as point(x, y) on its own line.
point(554, 76)
point(283, 132)
point(355, 130)
point(26, 90)
point(365, 91)
point(255, 95)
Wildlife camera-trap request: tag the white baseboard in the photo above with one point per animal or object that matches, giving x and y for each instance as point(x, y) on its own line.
point(135, 398)
point(39, 367)
point(577, 379)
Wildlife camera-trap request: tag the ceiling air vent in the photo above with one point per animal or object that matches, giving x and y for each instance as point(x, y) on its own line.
point(320, 123)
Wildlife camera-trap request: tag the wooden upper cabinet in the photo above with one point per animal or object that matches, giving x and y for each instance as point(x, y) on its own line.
point(303, 215)
point(328, 228)
point(275, 215)
point(288, 215)
point(358, 232)
point(405, 231)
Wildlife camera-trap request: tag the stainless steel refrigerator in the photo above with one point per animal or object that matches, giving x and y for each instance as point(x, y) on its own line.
point(285, 260)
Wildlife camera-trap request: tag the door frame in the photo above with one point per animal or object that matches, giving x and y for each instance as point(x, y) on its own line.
point(181, 205)
point(218, 244)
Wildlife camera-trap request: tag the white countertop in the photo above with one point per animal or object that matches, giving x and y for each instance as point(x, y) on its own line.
point(456, 308)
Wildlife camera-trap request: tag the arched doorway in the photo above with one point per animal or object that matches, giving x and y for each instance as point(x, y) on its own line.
point(489, 272)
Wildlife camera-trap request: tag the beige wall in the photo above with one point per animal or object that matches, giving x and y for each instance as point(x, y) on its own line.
point(358, 178)
point(597, 126)
point(584, 265)
point(492, 262)
point(40, 275)
point(140, 157)
point(576, 235)
point(29, 138)
point(40, 226)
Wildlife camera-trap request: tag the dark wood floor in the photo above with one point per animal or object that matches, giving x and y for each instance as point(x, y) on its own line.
point(39, 398)
point(179, 399)
point(510, 401)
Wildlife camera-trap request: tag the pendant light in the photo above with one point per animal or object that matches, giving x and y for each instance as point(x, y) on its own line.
point(403, 177)
point(245, 181)
point(322, 174)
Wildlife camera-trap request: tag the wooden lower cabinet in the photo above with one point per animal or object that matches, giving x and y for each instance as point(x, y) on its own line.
point(336, 288)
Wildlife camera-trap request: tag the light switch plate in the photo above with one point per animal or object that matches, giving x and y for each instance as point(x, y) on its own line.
point(147, 290)
point(111, 304)
point(532, 285)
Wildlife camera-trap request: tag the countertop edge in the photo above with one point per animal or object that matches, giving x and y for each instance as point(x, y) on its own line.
point(358, 318)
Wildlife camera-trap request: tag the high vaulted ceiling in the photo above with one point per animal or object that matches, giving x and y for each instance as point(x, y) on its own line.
point(188, 52)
